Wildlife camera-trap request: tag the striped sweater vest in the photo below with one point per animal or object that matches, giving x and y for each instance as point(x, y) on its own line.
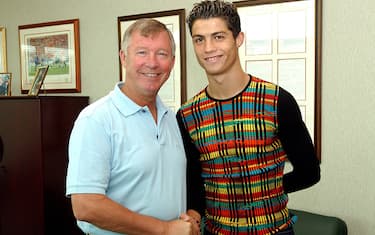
point(242, 160)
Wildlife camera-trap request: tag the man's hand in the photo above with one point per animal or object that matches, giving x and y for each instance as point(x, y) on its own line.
point(180, 227)
point(194, 222)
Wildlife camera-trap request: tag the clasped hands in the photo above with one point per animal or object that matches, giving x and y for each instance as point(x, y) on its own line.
point(187, 224)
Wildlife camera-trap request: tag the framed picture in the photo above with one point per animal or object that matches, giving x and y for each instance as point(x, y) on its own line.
point(3, 50)
point(40, 75)
point(173, 92)
point(55, 44)
point(5, 84)
point(283, 45)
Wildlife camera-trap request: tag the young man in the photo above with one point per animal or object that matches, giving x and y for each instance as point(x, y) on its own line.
point(127, 166)
point(239, 131)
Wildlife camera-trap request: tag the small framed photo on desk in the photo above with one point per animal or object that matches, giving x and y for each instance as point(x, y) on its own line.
point(5, 82)
point(38, 80)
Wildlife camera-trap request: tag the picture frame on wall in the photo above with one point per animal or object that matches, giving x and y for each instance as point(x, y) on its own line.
point(173, 92)
point(5, 84)
point(56, 44)
point(283, 45)
point(40, 75)
point(3, 50)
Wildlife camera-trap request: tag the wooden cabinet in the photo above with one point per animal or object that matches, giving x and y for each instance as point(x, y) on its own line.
point(34, 133)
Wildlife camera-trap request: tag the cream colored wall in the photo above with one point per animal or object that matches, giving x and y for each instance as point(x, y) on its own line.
point(348, 154)
point(347, 187)
point(98, 35)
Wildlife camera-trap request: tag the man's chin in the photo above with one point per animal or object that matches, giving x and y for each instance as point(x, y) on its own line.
point(213, 72)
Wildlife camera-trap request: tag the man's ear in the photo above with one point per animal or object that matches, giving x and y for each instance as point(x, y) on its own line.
point(122, 57)
point(239, 39)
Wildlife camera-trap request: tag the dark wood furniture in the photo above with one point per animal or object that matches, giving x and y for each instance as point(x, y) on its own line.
point(34, 135)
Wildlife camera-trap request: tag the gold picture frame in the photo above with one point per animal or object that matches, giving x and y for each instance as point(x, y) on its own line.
point(40, 75)
point(3, 50)
point(55, 44)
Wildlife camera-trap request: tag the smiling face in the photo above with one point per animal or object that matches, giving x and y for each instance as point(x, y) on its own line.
point(215, 47)
point(148, 63)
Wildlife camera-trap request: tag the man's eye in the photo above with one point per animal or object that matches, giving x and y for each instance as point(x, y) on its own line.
point(141, 53)
point(164, 54)
point(219, 37)
point(198, 40)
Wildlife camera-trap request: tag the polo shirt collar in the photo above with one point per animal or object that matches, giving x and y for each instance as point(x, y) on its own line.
point(127, 107)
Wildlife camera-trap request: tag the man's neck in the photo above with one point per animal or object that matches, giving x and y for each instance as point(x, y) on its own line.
point(142, 101)
point(228, 85)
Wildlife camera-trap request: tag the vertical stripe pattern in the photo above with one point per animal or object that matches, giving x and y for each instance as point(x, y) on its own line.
point(242, 160)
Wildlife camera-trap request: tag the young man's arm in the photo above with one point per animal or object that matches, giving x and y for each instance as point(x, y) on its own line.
point(297, 144)
point(195, 185)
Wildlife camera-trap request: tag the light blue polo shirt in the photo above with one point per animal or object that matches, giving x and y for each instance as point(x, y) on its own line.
point(117, 149)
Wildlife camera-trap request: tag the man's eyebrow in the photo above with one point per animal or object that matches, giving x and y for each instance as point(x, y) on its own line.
point(212, 34)
point(197, 35)
point(220, 32)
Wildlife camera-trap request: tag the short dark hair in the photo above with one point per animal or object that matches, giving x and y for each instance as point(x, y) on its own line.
point(217, 8)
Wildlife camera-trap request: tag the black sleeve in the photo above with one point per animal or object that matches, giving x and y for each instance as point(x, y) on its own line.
point(195, 185)
point(297, 144)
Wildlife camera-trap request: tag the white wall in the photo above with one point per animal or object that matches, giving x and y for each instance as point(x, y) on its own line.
point(348, 82)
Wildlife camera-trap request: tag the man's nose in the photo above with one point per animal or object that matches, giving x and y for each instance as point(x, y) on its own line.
point(209, 45)
point(152, 60)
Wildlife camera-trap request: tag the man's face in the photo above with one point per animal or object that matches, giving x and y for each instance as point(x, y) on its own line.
point(214, 45)
point(148, 62)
